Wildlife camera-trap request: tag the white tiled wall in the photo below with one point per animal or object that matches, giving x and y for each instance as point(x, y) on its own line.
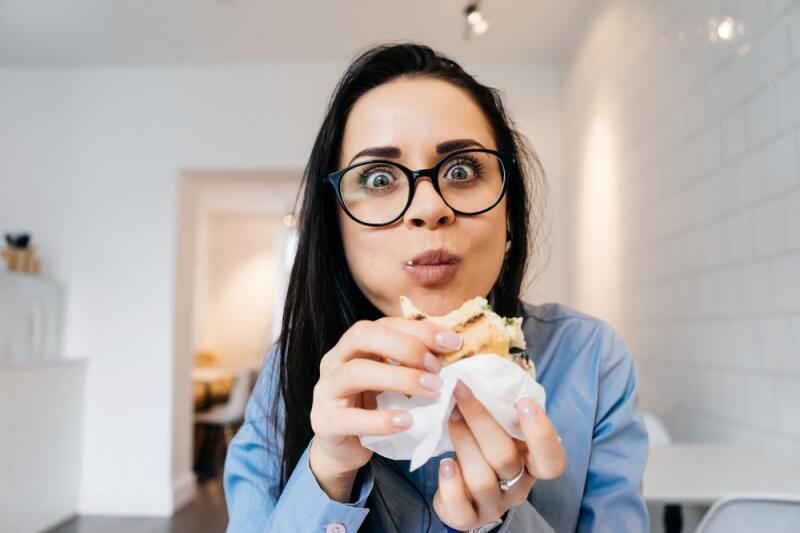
point(706, 174)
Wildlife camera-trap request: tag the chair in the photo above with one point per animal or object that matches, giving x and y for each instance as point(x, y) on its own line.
point(659, 436)
point(231, 413)
point(744, 514)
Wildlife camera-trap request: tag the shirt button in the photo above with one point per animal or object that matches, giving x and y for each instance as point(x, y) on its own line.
point(335, 528)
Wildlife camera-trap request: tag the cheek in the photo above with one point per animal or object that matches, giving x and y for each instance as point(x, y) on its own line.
point(489, 247)
point(367, 250)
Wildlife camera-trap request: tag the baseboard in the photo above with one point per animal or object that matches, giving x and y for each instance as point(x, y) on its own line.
point(184, 489)
point(162, 500)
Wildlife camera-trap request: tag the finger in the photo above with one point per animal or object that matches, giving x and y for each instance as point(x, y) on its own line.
point(437, 339)
point(354, 421)
point(495, 443)
point(545, 458)
point(359, 375)
point(452, 501)
point(370, 339)
point(481, 480)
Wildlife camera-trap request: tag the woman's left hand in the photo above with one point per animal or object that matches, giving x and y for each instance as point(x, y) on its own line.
point(469, 494)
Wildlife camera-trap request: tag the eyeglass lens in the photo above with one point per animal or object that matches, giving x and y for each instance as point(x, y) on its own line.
point(376, 193)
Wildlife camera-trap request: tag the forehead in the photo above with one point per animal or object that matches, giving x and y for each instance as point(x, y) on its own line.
point(414, 115)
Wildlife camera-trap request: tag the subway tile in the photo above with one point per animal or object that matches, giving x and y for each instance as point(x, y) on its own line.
point(780, 165)
point(776, 344)
point(749, 183)
point(793, 26)
point(730, 297)
point(745, 343)
point(709, 150)
point(743, 75)
point(794, 350)
point(760, 401)
point(777, 7)
point(716, 243)
point(740, 235)
point(761, 116)
point(785, 285)
point(756, 287)
point(768, 227)
point(791, 209)
point(774, 52)
point(787, 88)
point(787, 400)
point(734, 137)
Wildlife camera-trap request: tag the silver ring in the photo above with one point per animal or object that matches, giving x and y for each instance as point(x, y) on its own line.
point(506, 484)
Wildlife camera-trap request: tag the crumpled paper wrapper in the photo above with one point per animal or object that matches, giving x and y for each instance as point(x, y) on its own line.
point(495, 381)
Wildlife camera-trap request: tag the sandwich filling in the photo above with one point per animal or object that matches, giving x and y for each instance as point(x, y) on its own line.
point(483, 331)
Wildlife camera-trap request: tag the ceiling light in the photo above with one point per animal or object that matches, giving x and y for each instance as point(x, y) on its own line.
point(477, 24)
point(724, 29)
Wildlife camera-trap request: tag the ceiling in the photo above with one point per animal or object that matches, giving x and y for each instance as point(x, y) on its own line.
point(126, 32)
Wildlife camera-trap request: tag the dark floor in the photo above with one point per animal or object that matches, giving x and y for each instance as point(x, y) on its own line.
point(206, 514)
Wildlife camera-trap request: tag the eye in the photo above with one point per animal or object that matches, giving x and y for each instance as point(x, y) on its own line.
point(464, 169)
point(377, 178)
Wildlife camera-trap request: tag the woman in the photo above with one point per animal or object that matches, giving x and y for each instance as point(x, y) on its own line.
point(371, 229)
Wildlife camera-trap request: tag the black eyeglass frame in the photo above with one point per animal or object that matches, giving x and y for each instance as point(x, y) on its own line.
point(506, 158)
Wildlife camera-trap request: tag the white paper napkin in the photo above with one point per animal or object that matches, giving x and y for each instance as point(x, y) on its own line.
point(495, 381)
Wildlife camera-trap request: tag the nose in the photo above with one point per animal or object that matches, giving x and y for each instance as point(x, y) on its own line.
point(427, 208)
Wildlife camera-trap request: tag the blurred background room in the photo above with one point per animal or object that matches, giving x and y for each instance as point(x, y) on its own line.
point(150, 158)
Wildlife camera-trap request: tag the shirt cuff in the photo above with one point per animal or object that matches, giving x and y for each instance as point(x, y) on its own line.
point(316, 507)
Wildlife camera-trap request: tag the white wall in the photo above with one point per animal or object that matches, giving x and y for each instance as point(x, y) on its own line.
point(242, 267)
point(90, 161)
point(685, 233)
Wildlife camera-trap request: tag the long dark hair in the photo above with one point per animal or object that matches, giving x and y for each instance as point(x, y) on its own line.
point(322, 299)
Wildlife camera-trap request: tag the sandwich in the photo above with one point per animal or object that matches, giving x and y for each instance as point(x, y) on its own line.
point(483, 331)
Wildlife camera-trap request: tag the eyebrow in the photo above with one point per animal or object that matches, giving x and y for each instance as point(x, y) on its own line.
point(393, 152)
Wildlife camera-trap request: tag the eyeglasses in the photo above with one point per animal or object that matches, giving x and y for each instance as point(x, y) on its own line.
point(378, 193)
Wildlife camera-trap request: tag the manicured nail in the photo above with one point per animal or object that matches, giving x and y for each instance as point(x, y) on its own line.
point(448, 468)
point(455, 415)
point(528, 407)
point(431, 381)
point(461, 391)
point(448, 340)
point(402, 420)
point(431, 363)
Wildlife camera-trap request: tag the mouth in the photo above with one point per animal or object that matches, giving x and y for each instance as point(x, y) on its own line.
point(433, 267)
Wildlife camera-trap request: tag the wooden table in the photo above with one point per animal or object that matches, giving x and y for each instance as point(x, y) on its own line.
point(213, 373)
point(702, 473)
point(208, 375)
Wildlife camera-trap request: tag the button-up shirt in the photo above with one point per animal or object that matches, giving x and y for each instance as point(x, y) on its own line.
point(590, 380)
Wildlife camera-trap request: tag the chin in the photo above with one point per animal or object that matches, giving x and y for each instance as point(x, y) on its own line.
point(437, 301)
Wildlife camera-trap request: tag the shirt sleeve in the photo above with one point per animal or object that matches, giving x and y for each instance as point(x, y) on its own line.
point(252, 476)
point(613, 499)
point(524, 517)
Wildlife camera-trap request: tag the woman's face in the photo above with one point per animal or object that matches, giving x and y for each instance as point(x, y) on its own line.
point(416, 115)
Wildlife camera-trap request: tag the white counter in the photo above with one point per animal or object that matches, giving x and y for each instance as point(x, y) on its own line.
point(41, 420)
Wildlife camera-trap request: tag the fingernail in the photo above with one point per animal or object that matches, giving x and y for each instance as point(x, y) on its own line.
point(402, 420)
point(431, 363)
point(431, 381)
point(448, 468)
point(461, 391)
point(455, 414)
point(528, 407)
point(448, 340)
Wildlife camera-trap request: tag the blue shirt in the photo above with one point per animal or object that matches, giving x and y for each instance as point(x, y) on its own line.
point(591, 384)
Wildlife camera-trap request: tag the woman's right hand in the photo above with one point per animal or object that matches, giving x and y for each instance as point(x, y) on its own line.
point(352, 374)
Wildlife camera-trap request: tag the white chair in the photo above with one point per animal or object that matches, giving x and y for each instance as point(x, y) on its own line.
point(672, 515)
point(746, 514)
point(230, 413)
